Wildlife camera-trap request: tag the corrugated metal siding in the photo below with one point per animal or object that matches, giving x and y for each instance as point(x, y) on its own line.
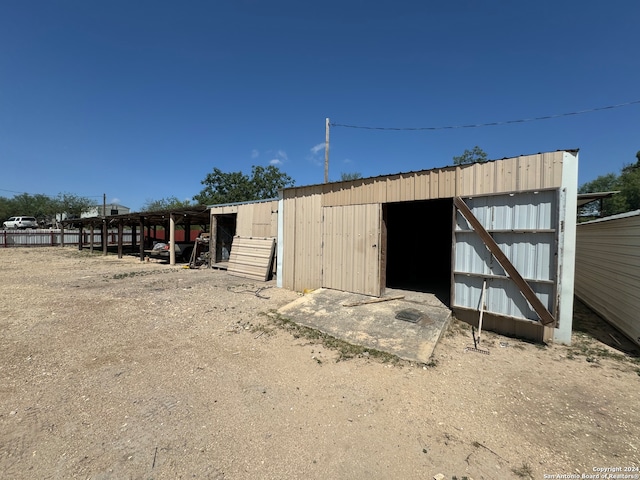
point(524, 226)
point(531, 172)
point(302, 225)
point(265, 219)
point(608, 270)
point(254, 219)
point(303, 214)
point(251, 257)
point(351, 253)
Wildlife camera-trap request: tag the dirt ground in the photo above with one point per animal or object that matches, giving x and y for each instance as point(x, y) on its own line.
point(115, 369)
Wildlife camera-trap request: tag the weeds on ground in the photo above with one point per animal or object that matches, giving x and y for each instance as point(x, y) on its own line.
point(588, 348)
point(345, 350)
point(457, 327)
point(139, 273)
point(523, 471)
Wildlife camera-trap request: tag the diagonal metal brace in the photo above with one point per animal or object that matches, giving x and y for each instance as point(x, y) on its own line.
point(545, 316)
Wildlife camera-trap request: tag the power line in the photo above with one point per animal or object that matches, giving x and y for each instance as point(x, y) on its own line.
point(44, 194)
point(491, 124)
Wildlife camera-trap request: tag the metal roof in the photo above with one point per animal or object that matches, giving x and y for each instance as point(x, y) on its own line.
point(191, 214)
point(570, 150)
point(584, 198)
point(619, 216)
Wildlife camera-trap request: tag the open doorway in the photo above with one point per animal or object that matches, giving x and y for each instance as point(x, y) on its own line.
point(418, 246)
point(225, 231)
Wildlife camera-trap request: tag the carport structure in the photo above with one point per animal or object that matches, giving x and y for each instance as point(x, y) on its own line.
point(148, 224)
point(502, 231)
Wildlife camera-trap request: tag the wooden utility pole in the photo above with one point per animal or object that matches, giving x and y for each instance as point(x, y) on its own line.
point(105, 240)
point(326, 152)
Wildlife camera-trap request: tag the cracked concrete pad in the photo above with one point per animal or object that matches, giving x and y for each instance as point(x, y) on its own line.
point(374, 325)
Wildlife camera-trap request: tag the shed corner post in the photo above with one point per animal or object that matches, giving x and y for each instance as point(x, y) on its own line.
point(567, 247)
point(280, 242)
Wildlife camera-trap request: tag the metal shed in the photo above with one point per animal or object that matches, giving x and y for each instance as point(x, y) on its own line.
point(505, 226)
point(608, 270)
point(245, 219)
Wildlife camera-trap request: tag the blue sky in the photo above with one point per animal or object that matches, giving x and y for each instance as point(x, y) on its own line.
point(141, 99)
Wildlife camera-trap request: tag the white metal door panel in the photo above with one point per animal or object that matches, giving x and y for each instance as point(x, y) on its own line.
point(525, 227)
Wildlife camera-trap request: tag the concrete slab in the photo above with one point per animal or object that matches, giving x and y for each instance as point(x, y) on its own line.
point(374, 325)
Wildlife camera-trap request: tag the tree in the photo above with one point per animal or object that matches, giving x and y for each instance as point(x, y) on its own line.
point(73, 206)
point(630, 186)
point(627, 183)
point(45, 208)
point(167, 203)
point(345, 177)
point(233, 187)
point(40, 206)
point(476, 155)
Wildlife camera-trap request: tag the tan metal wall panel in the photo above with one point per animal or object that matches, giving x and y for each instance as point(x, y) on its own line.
point(254, 219)
point(338, 193)
point(244, 220)
point(423, 185)
point(251, 257)
point(531, 172)
point(264, 219)
point(447, 183)
point(351, 254)
point(302, 265)
point(367, 191)
point(401, 188)
point(476, 179)
point(607, 277)
point(224, 209)
point(302, 236)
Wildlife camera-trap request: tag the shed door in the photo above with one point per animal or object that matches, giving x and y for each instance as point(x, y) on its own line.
point(351, 248)
point(520, 276)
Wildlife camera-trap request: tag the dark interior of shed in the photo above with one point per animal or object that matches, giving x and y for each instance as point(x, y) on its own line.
point(226, 230)
point(418, 246)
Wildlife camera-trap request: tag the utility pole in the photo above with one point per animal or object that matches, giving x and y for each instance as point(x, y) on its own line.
point(105, 240)
point(326, 152)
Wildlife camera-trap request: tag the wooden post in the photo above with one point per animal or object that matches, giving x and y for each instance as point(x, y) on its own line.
point(213, 241)
point(120, 240)
point(105, 233)
point(142, 242)
point(91, 237)
point(80, 239)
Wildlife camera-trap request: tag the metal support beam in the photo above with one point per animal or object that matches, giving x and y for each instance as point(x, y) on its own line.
point(172, 240)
